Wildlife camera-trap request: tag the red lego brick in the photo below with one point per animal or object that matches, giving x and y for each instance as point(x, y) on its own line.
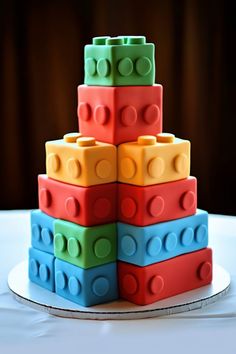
point(145, 285)
point(148, 205)
point(119, 114)
point(86, 206)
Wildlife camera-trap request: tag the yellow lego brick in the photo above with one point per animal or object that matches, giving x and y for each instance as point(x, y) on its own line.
point(153, 159)
point(81, 160)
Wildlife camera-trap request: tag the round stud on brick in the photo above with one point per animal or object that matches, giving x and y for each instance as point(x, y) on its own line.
point(156, 167)
point(102, 248)
point(156, 206)
point(165, 138)
point(60, 280)
point(44, 272)
point(36, 232)
point(154, 246)
point(100, 40)
point(74, 286)
point(151, 114)
point(188, 200)
point(136, 40)
point(90, 66)
point(53, 162)
point(73, 168)
point(201, 233)
point(128, 116)
point(102, 208)
point(128, 207)
point(100, 286)
point(127, 167)
point(72, 206)
point(59, 242)
point(181, 163)
point(147, 140)
point(128, 245)
point(125, 66)
point(103, 67)
point(86, 141)
point(129, 284)
point(115, 41)
point(73, 247)
point(143, 66)
point(71, 137)
point(101, 114)
point(84, 111)
point(103, 169)
point(45, 197)
point(170, 241)
point(205, 271)
point(34, 267)
point(156, 284)
point(47, 236)
point(187, 236)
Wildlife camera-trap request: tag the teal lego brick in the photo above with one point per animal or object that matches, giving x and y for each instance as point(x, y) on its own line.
point(146, 245)
point(119, 61)
point(86, 287)
point(41, 268)
point(85, 247)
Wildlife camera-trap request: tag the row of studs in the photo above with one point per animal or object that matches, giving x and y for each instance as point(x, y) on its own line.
point(125, 67)
point(102, 247)
point(128, 114)
point(100, 285)
point(155, 244)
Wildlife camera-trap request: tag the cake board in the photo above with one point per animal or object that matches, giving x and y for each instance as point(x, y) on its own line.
point(39, 298)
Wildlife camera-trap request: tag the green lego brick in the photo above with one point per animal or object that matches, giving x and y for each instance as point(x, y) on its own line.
point(119, 61)
point(85, 247)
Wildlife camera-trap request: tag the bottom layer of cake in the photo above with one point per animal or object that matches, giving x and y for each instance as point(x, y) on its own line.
point(140, 285)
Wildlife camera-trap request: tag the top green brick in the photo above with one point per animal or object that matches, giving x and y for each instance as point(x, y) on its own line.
point(119, 61)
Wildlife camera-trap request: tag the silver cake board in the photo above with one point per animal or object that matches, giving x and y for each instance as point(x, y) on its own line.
point(39, 298)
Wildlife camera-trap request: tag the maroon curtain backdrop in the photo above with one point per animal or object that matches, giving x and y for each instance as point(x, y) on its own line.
point(41, 65)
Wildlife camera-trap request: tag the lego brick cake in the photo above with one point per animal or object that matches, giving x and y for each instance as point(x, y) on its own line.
point(118, 214)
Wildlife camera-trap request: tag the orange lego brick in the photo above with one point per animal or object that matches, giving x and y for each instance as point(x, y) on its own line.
point(153, 159)
point(81, 161)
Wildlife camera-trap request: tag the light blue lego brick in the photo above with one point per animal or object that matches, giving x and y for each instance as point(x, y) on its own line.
point(41, 268)
point(155, 243)
point(42, 231)
point(86, 287)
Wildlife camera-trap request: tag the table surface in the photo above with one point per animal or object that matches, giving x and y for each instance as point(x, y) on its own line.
point(211, 329)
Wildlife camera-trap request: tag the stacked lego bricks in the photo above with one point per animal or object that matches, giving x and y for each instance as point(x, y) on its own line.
point(118, 210)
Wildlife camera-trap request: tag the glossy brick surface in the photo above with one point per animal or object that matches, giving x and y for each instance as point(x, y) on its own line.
point(124, 60)
point(147, 161)
point(42, 231)
point(41, 269)
point(85, 247)
point(119, 114)
point(148, 205)
point(89, 206)
point(85, 165)
point(150, 244)
point(86, 287)
point(145, 285)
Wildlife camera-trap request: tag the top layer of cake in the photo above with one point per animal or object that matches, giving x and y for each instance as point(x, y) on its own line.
point(119, 61)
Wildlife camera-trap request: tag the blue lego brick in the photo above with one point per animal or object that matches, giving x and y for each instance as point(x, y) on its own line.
point(119, 61)
point(86, 287)
point(41, 268)
point(42, 231)
point(155, 243)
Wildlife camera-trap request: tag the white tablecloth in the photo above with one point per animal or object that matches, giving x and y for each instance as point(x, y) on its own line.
point(24, 330)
